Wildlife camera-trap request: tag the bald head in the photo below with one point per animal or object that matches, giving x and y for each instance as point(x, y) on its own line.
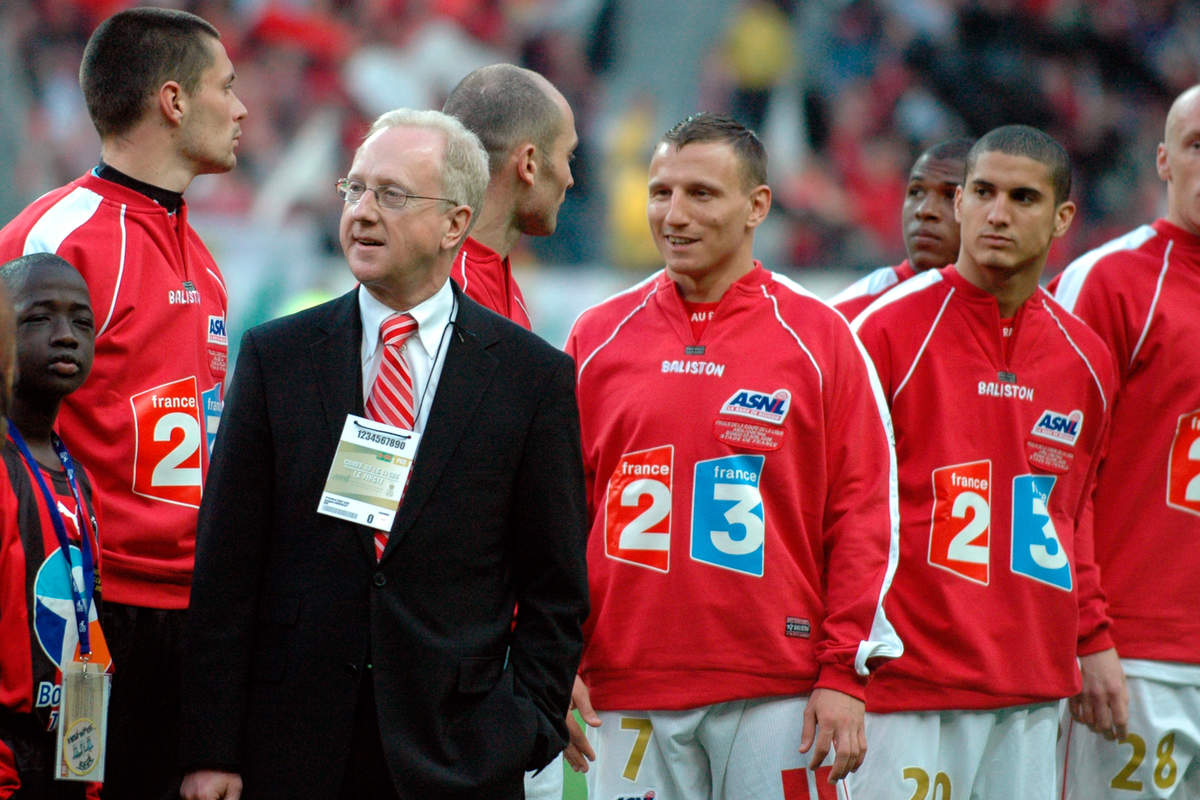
point(505, 106)
point(1184, 106)
point(1178, 160)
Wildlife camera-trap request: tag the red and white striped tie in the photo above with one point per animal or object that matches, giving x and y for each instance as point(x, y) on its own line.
point(391, 399)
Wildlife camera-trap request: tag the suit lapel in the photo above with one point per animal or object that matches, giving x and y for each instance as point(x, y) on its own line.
point(468, 371)
point(336, 353)
point(337, 361)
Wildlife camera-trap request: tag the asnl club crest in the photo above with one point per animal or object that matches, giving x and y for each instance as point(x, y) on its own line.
point(1058, 427)
point(759, 406)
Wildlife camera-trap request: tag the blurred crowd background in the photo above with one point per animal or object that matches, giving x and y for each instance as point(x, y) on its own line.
point(845, 94)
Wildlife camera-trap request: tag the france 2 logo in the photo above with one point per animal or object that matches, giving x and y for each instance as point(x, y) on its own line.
point(1183, 465)
point(637, 509)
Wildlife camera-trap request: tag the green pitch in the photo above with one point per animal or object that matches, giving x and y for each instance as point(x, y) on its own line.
point(574, 785)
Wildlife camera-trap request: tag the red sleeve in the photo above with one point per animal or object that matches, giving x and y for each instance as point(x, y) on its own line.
point(1108, 313)
point(9, 781)
point(861, 531)
point(16, 670)
point(589, 462)
point(12, 622)
point(1094, 622)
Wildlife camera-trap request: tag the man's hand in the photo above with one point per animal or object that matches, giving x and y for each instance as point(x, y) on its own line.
point(1103, 702)
point(579, 751)
point(211, 785)
point(836, 719)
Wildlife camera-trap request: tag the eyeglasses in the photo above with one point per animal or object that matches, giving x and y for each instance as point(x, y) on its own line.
point(392, 197)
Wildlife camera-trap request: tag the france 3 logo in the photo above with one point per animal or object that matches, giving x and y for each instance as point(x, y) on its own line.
point(759, 406)
point(1058, 427)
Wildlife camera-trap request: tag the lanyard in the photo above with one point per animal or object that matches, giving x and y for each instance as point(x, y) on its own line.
point(82, 598)
point(433, 364)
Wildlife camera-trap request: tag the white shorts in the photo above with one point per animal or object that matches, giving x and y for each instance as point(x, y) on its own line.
point(547, 784)
point(728, 751)
point(958, 755)
point(1159, 757)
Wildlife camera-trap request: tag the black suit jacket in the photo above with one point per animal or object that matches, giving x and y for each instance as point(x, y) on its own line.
point(290, 610)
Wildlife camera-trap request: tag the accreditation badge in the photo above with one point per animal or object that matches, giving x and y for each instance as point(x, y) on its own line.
point(369, 471)
point(82, 722)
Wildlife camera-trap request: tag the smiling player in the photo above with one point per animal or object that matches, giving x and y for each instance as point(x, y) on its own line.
point(739, 477)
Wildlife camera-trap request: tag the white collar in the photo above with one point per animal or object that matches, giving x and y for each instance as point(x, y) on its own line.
point(432, 314)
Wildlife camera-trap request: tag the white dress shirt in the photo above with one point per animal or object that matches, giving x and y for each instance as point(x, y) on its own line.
point(425, 350)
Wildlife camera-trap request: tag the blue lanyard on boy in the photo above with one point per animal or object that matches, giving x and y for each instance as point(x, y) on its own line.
point(82, 601)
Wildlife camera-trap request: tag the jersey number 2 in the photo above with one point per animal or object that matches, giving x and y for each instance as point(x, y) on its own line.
point(1183, 467)
point(168, 435)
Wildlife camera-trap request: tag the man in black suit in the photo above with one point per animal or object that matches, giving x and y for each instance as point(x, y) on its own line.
point(318, 668)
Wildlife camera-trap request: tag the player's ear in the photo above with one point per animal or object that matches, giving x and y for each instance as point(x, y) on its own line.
point(958, 194)
point(172, 102)
point(1062, 217)
point(526, 163)
point(1161, 163)
point(760, 205)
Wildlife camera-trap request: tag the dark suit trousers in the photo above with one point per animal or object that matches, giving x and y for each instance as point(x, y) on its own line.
point(367, 774)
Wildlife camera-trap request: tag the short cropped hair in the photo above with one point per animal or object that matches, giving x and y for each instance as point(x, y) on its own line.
point(464, 163)
point(949, 150)
point(133, 53)
point(708, 127)
point(1022, 140)
point(505, 105)
point(14, 273)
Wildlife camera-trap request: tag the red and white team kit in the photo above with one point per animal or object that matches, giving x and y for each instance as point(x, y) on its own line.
point(150, 427)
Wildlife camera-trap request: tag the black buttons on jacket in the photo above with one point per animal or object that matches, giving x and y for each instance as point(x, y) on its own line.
point(380, 579)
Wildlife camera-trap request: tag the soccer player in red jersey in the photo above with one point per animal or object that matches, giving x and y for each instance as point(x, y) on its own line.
point(740, 484)
point(930, 229)
point(1001, 403)
point(1140, 293)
